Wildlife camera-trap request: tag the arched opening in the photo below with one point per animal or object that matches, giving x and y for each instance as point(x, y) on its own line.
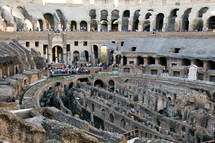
point(169, 98)
point(185, 20)
point(57, 54)
point(140, 60)
point(93, 107)
point(11, 68)
point(171, 24)
point(104, 22)
point(211, 23)
point(98, 83)
point(136, 20)
point(83, 26)
point(211, 65)
point(202, 11)
point(118, 59)
point(186, 62)
point(73, 26)
point(163, 61)
point(28, 25)
point(4, 70)
point(103, 54)
point(111, 85)
point(25, 82)
point(111, 118)
point(96, 52)
point(75, 56)
point(114, 20)
point(50, 21)
point(198, 63)
point(125, 21)
point(198, 24)
point(39, 25)
point(159, 21)
point(122, 123)
point(93, 22)
point(146, 23)
point(70, 85)
point(62, 19)
point(86, 56)
point(151, 60)
point(111, 57)
point(17, 71)
point(124, 60)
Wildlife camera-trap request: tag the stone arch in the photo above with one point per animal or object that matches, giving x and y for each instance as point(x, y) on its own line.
point(114, 20)
point(17, 71)
point(83, 26)
point(25, 81)
point(57, 54)
point(96, 51)
point(118, 59)
point(151, 60)
point(93, 107)
point(76, 56)
point(86, 55)
point(99, 83)
point(185, 62)
point(140, 60)
point(93, 22)
point(111, 57)
point(136, 20)
point(125, 21)
point(211, 22)
point(163, 61)
point(111, 85)
point(146, 23)
point(202, 11)
point(211, 65)
point(185, 20)
point(70, 85)
point(104, 21)
point(111, 118)
point(122, 123)
point(73, 26)
point(171, 22)
point(159, 21)
point(62, 19)
point(124, 58)
point(198, 63)
point(50, 21)
point(39, 25)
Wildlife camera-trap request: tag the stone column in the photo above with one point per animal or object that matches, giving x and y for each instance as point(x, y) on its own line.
point(99, 26)
point(49, 47)
point(88, 26)
point(68, 26)
point(205, 65)
point(164, 24)
point(78, 26)
point(140, 26)
point(130, 23)
point(59, 26)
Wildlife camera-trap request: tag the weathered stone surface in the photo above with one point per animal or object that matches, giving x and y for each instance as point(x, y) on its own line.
point(66, 133)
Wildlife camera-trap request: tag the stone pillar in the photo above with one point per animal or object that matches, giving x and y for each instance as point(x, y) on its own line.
point(177, 24)
point(140, 26)
point(49, 47)
point(130, 24)
point(120, 26)
point(44, 25)
point(156, 61)
point(68, 26)
point(59, 26)
point(145, 61)
point(88, 26)
point(205, 65)
point(99, 26)
point(78, 26)
point(164, 24)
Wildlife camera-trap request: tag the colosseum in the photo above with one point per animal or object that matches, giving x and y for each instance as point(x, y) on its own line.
point(108, 71)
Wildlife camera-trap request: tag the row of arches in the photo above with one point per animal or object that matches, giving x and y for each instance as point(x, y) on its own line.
point(115, 22)
point(210, 65)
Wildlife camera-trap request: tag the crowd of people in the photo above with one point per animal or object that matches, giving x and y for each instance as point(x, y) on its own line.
point(74, 69)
